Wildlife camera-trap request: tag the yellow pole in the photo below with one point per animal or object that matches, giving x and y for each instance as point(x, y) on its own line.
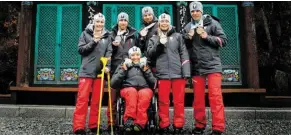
point(110, 107)
point(104, 62)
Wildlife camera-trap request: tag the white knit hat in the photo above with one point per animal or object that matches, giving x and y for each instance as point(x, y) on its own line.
point(165, 16)
point(196, 5)
point(134, 49)
point(147, 10)
point(122, 15)
point(99, 16)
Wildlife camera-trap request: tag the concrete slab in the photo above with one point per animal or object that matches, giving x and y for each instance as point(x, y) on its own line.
point(8, 110)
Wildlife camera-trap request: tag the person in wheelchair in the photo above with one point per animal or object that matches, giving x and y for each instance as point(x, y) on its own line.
point(136, 83)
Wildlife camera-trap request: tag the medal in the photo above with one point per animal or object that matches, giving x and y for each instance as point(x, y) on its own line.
point(191, 32)
point(143, 32)
point(200, 30)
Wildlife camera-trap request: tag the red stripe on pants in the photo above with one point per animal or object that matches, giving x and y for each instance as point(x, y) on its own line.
point(178, 90)
point(215, 100)
point(137, 103)
point(81, 109)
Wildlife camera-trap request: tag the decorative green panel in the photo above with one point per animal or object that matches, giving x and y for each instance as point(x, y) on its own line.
point(71, 28)
point(58, 27)
point(230, 55)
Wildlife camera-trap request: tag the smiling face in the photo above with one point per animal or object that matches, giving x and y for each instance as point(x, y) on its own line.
point(99, 24)
point(135, 57)
point(122, 24)
point(196, 15)
point(164, 24)
point(148, 18)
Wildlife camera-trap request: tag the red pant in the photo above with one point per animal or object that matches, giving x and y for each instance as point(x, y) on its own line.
point(136, 104)
point(215, 100)
point(178, 90)
point(80, 113)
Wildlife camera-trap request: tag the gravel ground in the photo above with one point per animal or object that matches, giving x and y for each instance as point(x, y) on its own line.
point(52, 126)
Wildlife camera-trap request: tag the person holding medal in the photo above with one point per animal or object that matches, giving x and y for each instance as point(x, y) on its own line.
point(123, 38)
point(204, 37)
point(173, 67)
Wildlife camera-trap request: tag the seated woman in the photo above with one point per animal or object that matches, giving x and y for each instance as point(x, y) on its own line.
point(136, 83)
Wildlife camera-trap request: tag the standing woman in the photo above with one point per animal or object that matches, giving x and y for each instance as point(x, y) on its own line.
point(172, 68)
point(94, 43)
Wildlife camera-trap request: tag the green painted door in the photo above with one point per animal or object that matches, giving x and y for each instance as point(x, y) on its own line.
point(58, 27)
point(134, 12)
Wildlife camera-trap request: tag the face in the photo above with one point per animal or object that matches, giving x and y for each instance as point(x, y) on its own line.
point(135, 57)
point(164, 24)
point(122, 24)
point(148, 18)
point(99, 24)
point(196, 15)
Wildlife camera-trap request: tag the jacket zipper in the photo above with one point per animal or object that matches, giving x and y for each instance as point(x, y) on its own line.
point(168, 59)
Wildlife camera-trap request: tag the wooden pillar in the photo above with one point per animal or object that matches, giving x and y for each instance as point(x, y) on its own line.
point(24, 48)
point(251, 56)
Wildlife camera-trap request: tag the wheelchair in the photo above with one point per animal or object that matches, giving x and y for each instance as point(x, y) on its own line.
point(153, 119)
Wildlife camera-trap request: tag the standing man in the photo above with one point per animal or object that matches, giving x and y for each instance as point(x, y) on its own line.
point(94, 43)
point(204, 37)
point(150, 23)
point(123, 38)
point(173, 67)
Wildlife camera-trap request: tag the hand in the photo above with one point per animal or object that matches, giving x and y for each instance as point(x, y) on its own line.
point(143, 62)
point(107, 70)
point(143, 32)
point(191, 33)
point(203, 35)
point(116, 43)
point(127, 62)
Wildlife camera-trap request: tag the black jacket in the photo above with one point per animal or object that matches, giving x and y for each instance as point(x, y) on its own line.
point(133, 77)
point(172, 60)
point(92, 51)
point(204, 53)
point(143, 42)
point(120, 52)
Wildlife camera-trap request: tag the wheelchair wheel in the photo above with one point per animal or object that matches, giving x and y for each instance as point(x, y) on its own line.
point(154, 119)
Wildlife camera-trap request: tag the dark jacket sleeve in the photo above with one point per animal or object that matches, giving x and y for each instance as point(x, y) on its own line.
point(108, 53)
point(151, 79)
point(187, 40)
point(218, 39)
point(184, 57)
point(117, 78)
point(85, 48)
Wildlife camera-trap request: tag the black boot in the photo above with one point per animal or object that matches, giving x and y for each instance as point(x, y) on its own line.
point(215, 132)
point(128, 125)
point(94, 130)
point(164, 131)
point(198, 131)
point(137, 128)
point(80, 132)
point(178, 131)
